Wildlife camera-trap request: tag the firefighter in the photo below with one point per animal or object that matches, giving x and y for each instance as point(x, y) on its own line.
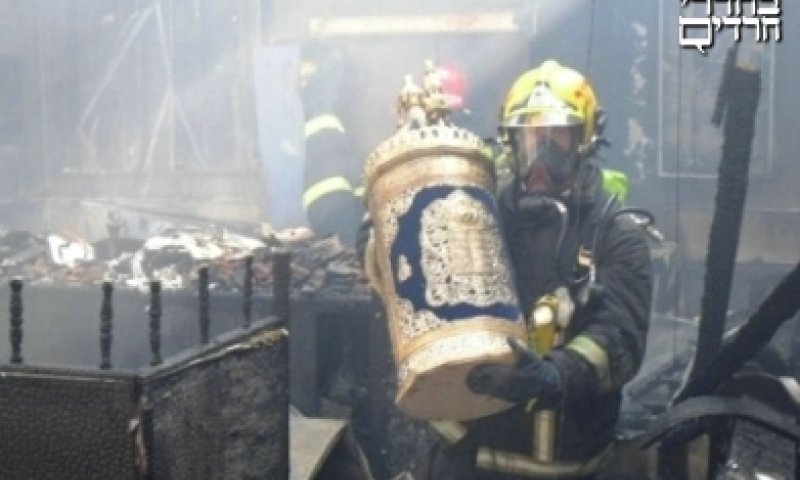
point(330, 194)
point(582, 273)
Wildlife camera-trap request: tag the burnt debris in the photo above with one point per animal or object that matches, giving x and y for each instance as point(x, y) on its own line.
point(235, 263)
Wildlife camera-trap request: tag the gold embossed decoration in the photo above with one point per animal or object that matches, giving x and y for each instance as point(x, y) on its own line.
point(462, 258)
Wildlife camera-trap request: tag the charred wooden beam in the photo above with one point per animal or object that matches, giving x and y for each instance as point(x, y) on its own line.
point(203, 295)
point(155, 323)
point(743, 88)
point(247, 291)
point(16, 320)
point(281, 265)
point(106, 315)
point(743, 344)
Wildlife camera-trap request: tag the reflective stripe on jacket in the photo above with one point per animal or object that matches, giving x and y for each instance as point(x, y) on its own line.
point(325, 187)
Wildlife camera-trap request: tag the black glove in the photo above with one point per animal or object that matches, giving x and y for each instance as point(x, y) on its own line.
point(530, 378)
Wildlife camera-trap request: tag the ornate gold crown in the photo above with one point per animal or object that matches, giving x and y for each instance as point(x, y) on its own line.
point(424, 128)
point(423, 141)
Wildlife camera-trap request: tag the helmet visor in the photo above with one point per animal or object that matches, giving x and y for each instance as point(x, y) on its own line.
point(543, 118)
point(548, 153)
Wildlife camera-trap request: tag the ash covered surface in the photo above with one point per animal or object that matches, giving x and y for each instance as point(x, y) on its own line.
point(214, 412)
point(223, 417)
point(65, 426)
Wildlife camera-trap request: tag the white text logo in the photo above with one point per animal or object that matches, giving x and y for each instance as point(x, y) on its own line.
point(761, 16)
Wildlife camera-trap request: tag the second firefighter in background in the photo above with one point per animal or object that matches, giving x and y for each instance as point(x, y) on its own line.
point(331, 192)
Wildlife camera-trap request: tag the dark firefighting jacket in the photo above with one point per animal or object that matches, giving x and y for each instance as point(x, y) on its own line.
point(329, 197)
point(603, 345)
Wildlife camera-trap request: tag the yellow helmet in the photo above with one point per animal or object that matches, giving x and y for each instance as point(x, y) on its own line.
point(551, 95)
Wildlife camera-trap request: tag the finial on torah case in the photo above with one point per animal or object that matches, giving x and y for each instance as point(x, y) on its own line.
point(426, 105)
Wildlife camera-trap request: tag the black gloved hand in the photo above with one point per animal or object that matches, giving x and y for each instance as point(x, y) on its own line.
point(530, 378)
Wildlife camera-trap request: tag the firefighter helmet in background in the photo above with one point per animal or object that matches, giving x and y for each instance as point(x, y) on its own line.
point(552, 95)
point(454, 86)
point(322, 73)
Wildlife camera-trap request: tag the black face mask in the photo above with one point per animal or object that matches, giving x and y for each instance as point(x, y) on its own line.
point(548, 163)
point(559, 162)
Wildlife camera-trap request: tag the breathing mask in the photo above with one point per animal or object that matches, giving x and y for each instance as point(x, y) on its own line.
point(546, 157)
